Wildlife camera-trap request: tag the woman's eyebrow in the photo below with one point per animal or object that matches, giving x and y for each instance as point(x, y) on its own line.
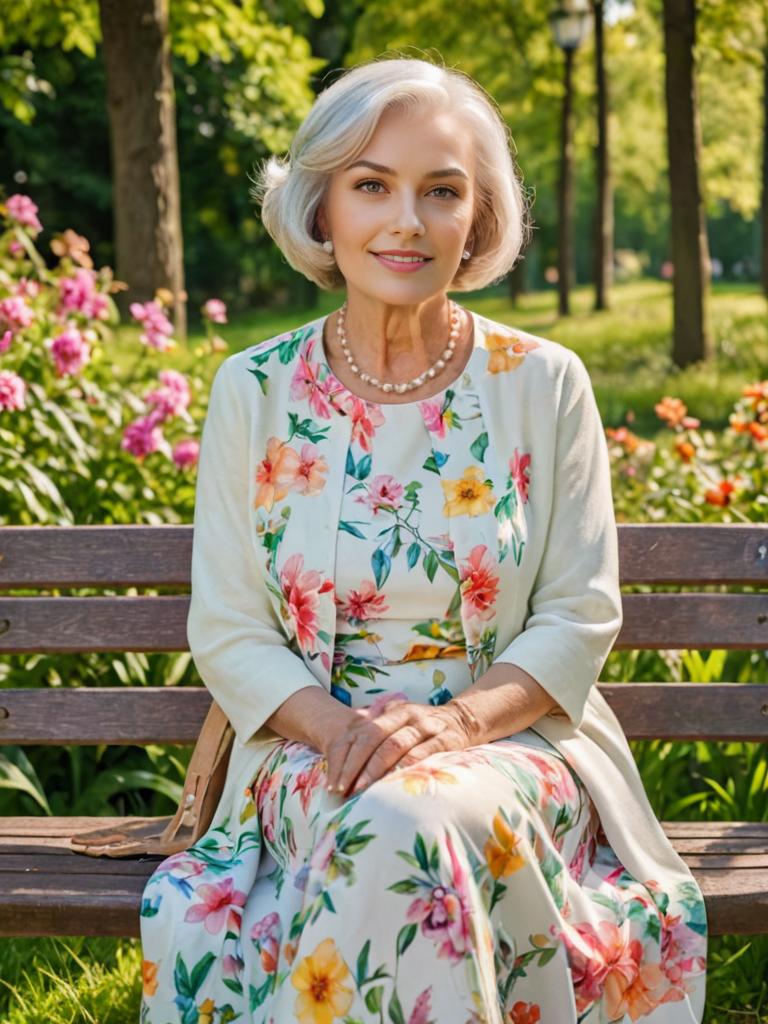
point(442, 173)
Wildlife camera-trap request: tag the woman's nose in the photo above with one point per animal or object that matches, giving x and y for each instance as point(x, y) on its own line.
point(407, 216)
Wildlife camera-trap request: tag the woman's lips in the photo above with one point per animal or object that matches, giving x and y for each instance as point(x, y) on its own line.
point(402, 266)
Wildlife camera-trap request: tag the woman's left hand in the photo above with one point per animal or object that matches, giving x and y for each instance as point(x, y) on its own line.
point(400, 735)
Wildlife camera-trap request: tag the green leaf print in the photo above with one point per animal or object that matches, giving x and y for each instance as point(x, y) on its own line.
point(361, 967)
point(262, 378)
point(395, 1010)
point(258, 995)
point(405, 937)
point(479, 445)
point(405, 885)
point(420, 851)
point(381, 564)
point(412, 554)
point(233, 985)
point(431, 563)
point(350, 528)
point(373, 998)
point(434, 461)
point(306, 428)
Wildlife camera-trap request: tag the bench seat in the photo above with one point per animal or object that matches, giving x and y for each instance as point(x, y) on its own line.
point(45, 889)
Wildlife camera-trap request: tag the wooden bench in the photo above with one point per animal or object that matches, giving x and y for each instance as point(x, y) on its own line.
point(45, 889)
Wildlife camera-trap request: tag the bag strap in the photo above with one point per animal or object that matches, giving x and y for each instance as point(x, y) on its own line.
point(200, 796)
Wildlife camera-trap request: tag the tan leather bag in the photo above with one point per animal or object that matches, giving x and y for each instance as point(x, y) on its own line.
point(203, 786)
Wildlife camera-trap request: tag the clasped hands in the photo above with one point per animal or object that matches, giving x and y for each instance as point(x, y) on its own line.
point(370, 743)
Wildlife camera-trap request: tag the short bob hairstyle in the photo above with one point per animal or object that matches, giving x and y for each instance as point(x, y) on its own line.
point(337, 129)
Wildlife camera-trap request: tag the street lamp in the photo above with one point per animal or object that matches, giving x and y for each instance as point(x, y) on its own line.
point(570, 21)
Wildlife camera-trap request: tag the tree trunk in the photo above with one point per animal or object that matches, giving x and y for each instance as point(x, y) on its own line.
point(690, 251)
point(764, 210)
point(145, 169)
point(565, 194)
point(603, 230)
point(517, 281)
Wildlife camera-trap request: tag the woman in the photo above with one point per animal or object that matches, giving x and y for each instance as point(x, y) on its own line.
point(404, 586)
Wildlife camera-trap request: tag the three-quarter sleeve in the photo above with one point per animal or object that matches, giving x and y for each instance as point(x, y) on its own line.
point(575, 605)
point(233, 631)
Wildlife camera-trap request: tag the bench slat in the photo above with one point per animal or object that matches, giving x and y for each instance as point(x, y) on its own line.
point(150, 556)
point(159, 623)
point(144, 715)
point(50, 891)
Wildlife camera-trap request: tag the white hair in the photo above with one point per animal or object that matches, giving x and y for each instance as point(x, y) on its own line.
point(337, 129)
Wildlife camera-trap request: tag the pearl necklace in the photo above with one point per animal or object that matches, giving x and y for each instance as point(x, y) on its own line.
point(416, 382)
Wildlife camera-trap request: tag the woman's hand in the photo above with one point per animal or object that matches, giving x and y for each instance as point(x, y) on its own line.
point(370, 745)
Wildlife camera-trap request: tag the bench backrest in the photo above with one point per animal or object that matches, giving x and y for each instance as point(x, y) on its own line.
point(158, 557)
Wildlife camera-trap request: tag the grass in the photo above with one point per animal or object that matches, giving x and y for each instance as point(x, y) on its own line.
point(627, 351)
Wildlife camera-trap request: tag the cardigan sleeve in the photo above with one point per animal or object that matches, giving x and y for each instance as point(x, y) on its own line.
point(233, 632)
point(575, 605)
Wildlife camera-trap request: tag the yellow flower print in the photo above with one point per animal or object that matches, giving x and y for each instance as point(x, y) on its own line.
point(149, 977)
point(501, 851)
point(418, 779)
point(320, 978)
point(206, 1009)
point(506, 351)
point(469, 496)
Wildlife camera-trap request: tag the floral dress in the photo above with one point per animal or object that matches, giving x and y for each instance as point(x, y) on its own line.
point(475, 887)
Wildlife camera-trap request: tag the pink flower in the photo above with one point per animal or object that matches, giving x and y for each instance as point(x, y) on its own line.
point(78, 294)
point(302, 589)
point(221, 904)
point(13, 391)
point(306, 383)
point(432, 411)
point(21, 209)
point(27, 289)
point(232, 966)
point(15, 248)
point(312, 470)
point(267, 798)
point(366, 416)
point(383, 491)
point(519, 468)
point(276, 473)
point(215, 311)
point(421, 1009)
point(158, 329)
point(479, 583)
point(362, 604)
point(307, 780)
point(15, 313)
point(142, 436)
point(70, 352)
point(186, 453)
point(172, 398)
point(266, 926)
point(445, 914)
point(5, 341)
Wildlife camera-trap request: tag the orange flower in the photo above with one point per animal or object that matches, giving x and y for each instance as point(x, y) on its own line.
point(321, 980)
point(506, 351)
point(758, 392)
point(149, 977)
point(525, 1013)
point(501, 851)
point(621, 435)
point(720, 495)
point(758, 431)
point(276, 473)
point(671, 410)
point(685, 450)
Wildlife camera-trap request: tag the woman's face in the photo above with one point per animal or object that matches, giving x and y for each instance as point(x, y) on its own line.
point(411, 191)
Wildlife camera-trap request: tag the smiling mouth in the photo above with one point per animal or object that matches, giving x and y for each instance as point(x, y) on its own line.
point(402, 259)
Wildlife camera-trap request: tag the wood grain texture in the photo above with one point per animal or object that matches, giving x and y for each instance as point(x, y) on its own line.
point(151, 556)
point(48, 890)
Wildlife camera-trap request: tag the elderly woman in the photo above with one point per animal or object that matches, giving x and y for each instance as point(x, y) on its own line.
point(404, 586)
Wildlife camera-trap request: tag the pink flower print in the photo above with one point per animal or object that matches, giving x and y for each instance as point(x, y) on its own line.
point(306, 383)
point(221, 905)
point(158, 329)
point(307, 781)
point(445, 916)
point(267, 935)
point(232, 966)
point(15, 314)
point(5, 341)
point(366, 417)
point(78, 294)
point(421, 1009)
point(479, 583)
point(363, 604)
point(215, 311)
point(186, 453)
point(519, 468)
point(142, 437)
point(311, 472)
point(276, 474)
point(70, 352)
point(301, 589)
point(13, 391)
point(383, 491)
point(597, 954)
point(432, 411)
point(266, 796)
point(21, 209)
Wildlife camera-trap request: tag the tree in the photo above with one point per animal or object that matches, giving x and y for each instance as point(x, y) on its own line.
point(692, 340)
point(138, 40)
point(602, 269)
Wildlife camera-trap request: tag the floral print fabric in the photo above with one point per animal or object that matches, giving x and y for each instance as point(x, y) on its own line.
point(476, 887)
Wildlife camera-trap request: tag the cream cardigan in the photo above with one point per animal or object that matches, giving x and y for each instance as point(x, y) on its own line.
point(559, 609)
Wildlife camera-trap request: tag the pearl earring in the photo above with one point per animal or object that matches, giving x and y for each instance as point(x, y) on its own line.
point(466, 254)
point(328, 245)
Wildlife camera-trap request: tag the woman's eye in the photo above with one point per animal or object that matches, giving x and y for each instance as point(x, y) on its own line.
point(446, 189)
point(362, 186)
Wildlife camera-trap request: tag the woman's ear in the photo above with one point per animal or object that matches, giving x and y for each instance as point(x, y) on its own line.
point(321, 225)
